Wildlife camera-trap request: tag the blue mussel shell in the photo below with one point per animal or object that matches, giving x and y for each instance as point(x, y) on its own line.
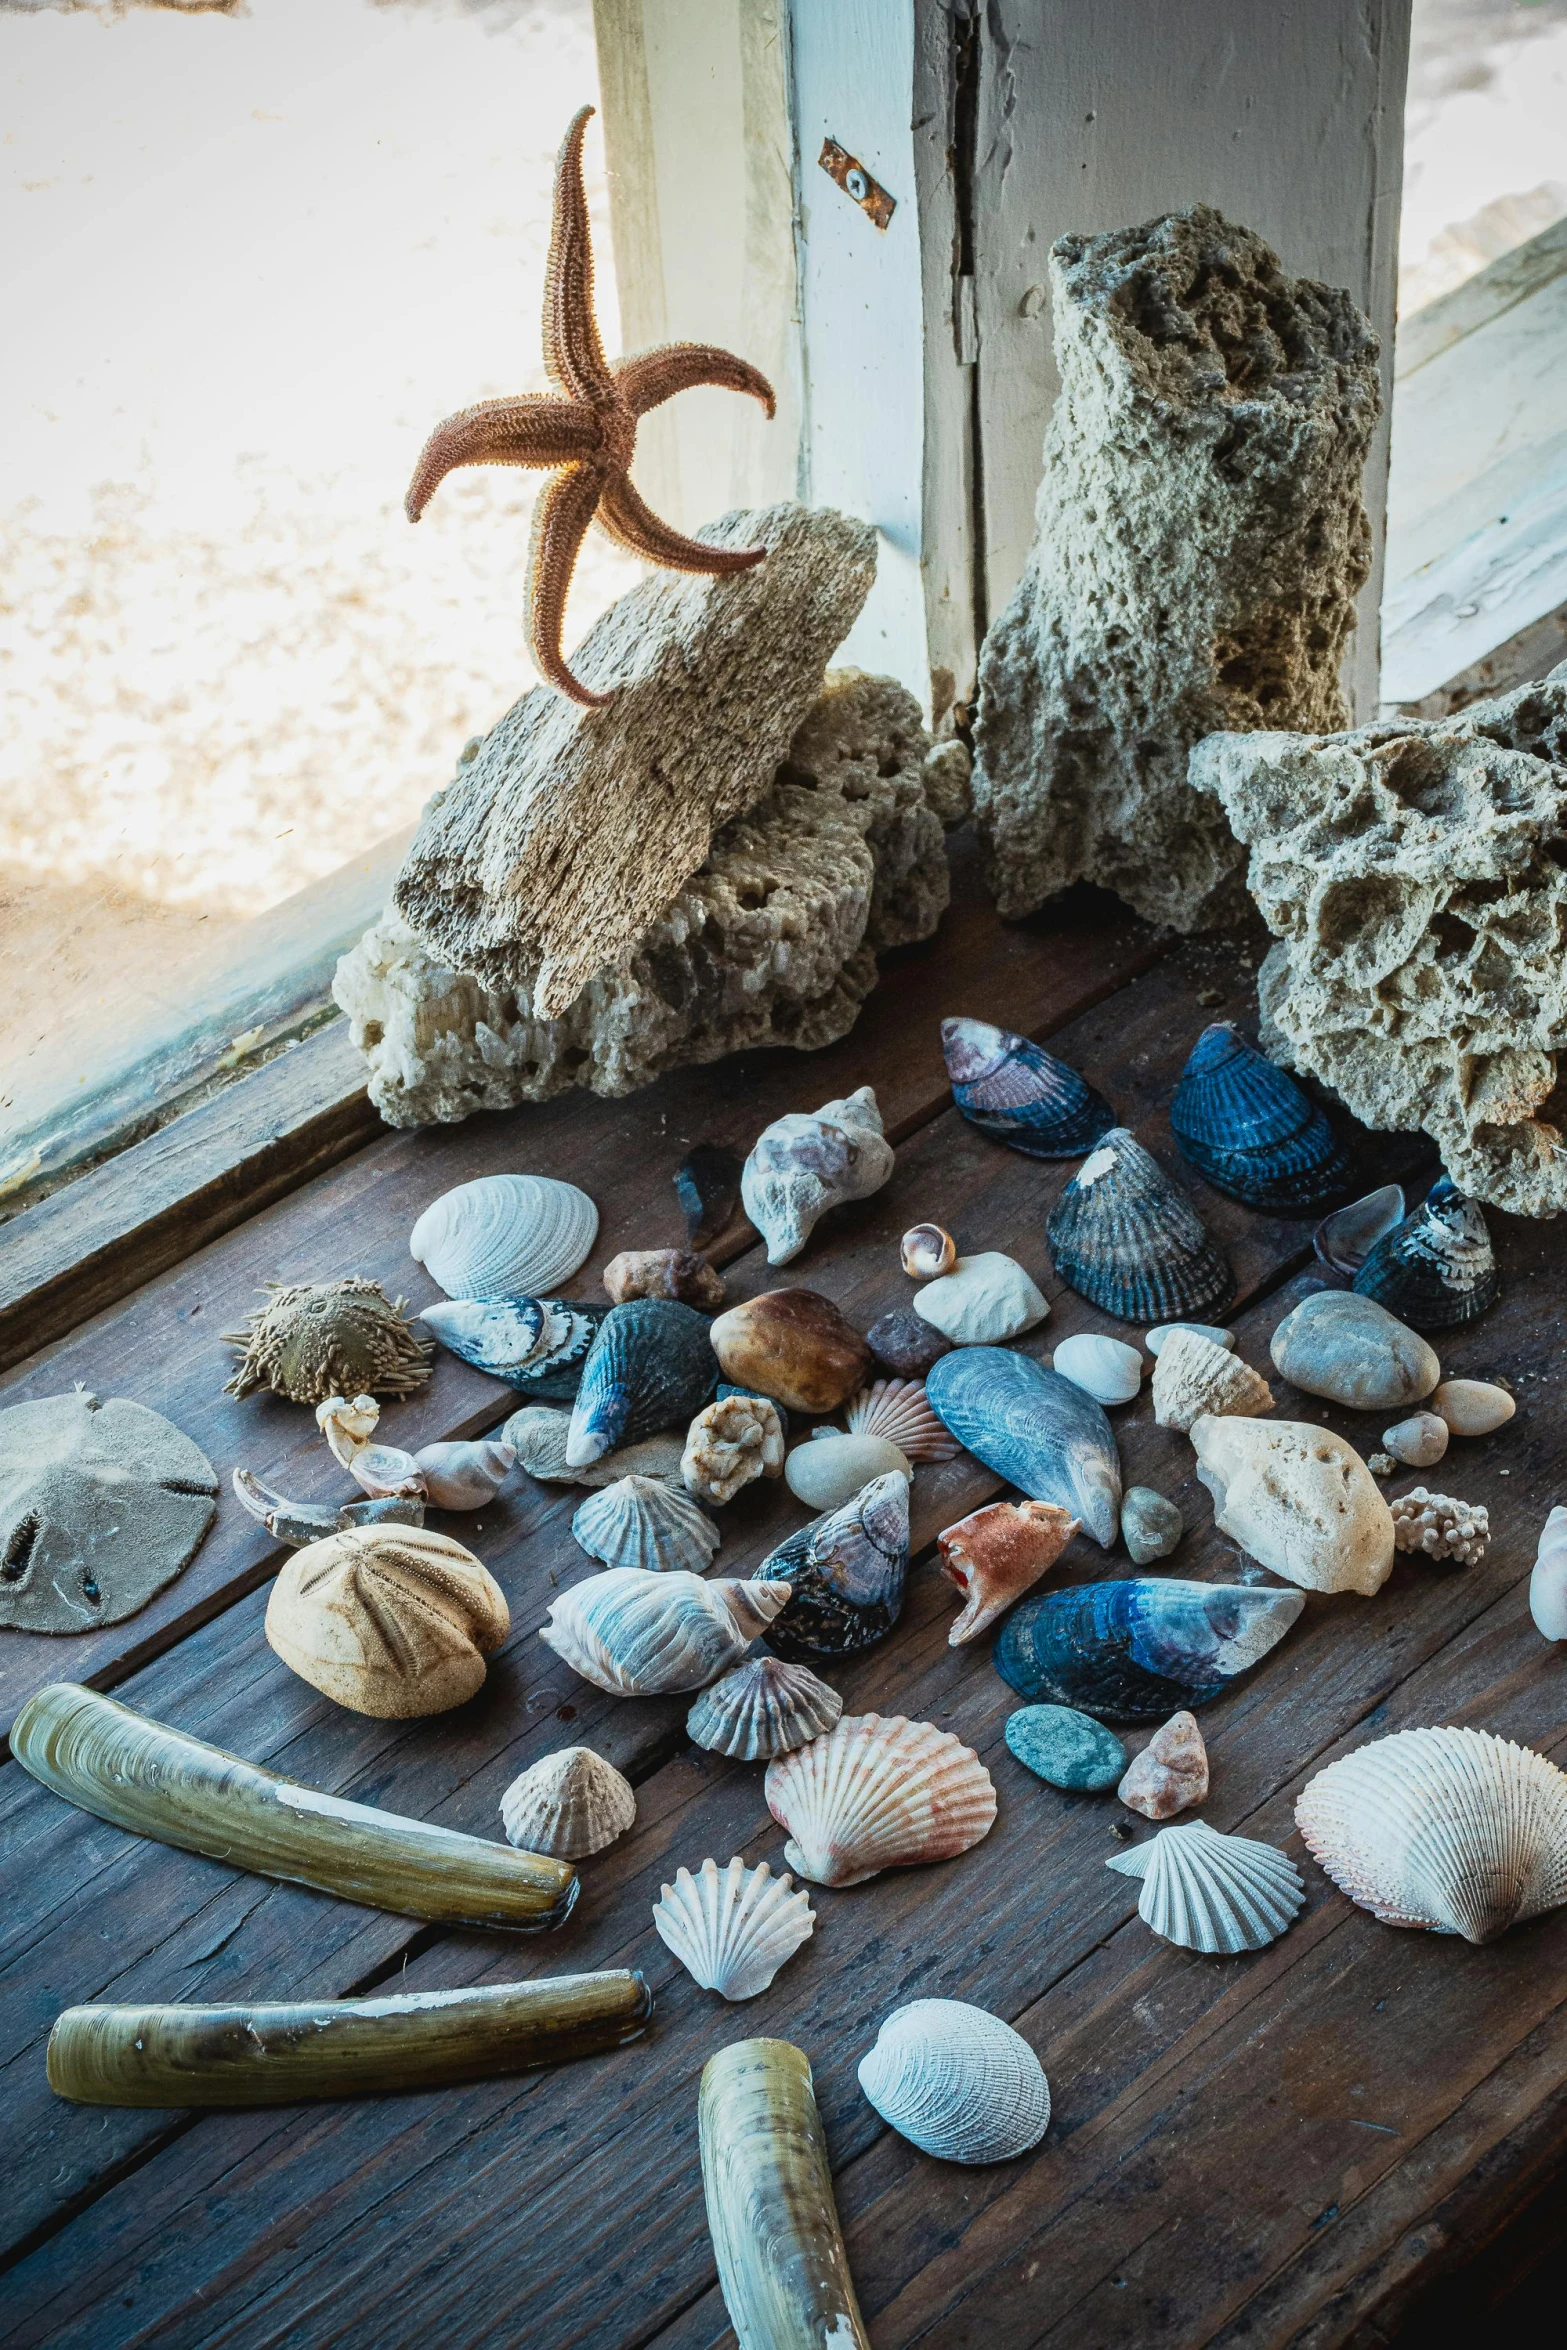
point(1252, 1131)
point(846, 1573)
point(1034, 1428)
point(1015, 1090)
point(1139, 1650)
point(507, 1337)
point(652, 1366)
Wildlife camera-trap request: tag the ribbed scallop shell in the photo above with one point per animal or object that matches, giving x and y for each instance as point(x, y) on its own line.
point(897, 1410)
point(505, 1236)
point(1129, 1240)
point(570, 1804)
point(957, 2082)
point(764, 1707)
point(639, 1634)
point(876, 1794)
point(1013, 1089)
point(732, 1928)
point(1453, 1830)
point(1437, 1269)
point(1191, 1375)
point(1252, 1130)
point(652, 1366)
point(642, 1522)
point(1219, 1894)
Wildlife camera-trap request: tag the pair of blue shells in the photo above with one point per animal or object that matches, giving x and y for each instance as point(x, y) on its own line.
point(1437, 1269)
point(1139, 1650)
point(1252, 1131)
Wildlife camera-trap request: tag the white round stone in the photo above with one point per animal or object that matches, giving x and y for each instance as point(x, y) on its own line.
point(831, 1470)
point(983, 1300)
point(1106, 1368)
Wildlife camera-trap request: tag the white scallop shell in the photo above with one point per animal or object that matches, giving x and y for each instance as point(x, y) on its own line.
point(1221, 1894)
point(570, 1804)
point(802, 1165)
point(642, 1522)
point(764, 1707)
point(1193, 1375)
point(733, 1928)
point(505, 1236)
point(896, 1409)
point(957, 2082)
point(1106, 1368)
point(639, 1634)
point(1453, 1830)
point(874, 1794)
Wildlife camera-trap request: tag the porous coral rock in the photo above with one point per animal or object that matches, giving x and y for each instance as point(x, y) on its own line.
point(1440, 1526)
point(1415, 877)
point(773, 942)
point(1200, 544)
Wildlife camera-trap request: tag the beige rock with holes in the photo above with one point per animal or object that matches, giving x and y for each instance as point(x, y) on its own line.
point(1298, 1500)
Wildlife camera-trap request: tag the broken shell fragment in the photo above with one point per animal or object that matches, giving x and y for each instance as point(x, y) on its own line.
point(651, 1366)
point(664, 1272)
point(391, 1621)
point(764, 1707)
point(1219, 1894)
point(957, 2082)
point(1106, 1368)
point(540, 1435)
point(983, 1300)
point(1129, 1240)
point(1472, 1407)
point(1452, 1830)
point(1548, 1578)
point(996, 1554)
point(1297, 1499)
point(1354, 1352)
point(1151, 1525)
point(1033, 1428)
point(1252, 1130)
point(832, 1469)
point(874, 1794)
point(505, 1236)
point(1015, 1090)
point(348, 1426)
point(800, 1166)
point(793, 1345)
point(1171, 1773)
point(899, 1410)
point(315, 1339)
point(639, 1634)
point(707, 1185)
point(465, 1475)
point(1192, 1376)
point(1437, 1269)
point(733, 1928)
point(926, 1250)
point(845, 1574)
point(1345, 1239)
point(730, 1442)
point(569, 1804)
point(536, 1344)
point(1440, 1527)
point(299, 1522)
point(1419, 1442)
point(1137, 1649)
point(642, 1522)
point(158, 1782)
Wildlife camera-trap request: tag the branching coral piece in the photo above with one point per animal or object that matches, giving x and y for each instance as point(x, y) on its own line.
point(1440, 1526)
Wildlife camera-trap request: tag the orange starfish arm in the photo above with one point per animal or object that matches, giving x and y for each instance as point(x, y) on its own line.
point(652, 377)
point(573, 353)
point(622, 513)
point(560, 520)
point(531, 431)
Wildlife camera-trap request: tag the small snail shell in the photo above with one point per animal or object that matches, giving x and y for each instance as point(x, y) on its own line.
point(927, 1251)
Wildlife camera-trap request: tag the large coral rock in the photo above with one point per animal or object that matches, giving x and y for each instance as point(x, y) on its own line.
point(560, 845)
point(773, 942)
point(1200, 544)
point(1415, 875)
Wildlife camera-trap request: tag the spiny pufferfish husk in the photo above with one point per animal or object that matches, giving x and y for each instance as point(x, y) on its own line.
point(313, 1339)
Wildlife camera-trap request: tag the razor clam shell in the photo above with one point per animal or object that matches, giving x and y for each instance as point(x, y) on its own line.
point(732, 1928)
point(652, 1366)
point(1013, 1089)
point(845, 1573)
point(639, 1634)
point(1142, 1648)
point(874, 1794)
point(782, 2268)
point(1218, 1894)
point(1437, 1269)
point(642, 1522)
point(505, 1236)
point(1035, 1429)
point(1129, 1240)
point(1252, 1130)
point(243, 2056)
point(762, 1708)
point(957, 2082)
point(158, 1782)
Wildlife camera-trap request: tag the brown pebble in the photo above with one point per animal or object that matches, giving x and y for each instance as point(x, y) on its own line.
point(904, 1343)
point(664, 1272)
point(794, 1345)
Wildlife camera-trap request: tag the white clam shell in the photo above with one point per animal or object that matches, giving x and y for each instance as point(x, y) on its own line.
point(802, 1165)
point(875, 1794)
point(568, 1805)
point(505, 1236)
point(1193, 1375)
point(642, 1522)
point(764, 1707)
point(899, 1410)
point(466, 1474)
point(1298, 1499)
point(957, 2082)
point(1548, 1578)
point(1453, 1830)
point(831, 1470)
point(1220, 1894)
point(732, 1928)
point(641, 1634)
point(1106, 1368)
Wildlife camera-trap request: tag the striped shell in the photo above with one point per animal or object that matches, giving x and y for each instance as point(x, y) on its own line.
point(1220, 1894)
point(1012, 1088)
point(642, 1522)
point(1452, 1830)
point(1129, 1240)
point(957, 2082)
point(876, 1794)
point(651, 1366)
point(1252, 1130)
point(732, 1928)
point(764, 1707)
point(505, 1236)
point(568, 1805)
point(896, 1409)
point(638, 1634)
point(1437, 1269)
point(1192, 1375)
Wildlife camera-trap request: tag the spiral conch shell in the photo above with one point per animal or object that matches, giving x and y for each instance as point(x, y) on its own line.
point(803, 1165)
point(637, 1633)
point(1453, 1830)
point(876, 1794)
point(733, 1928)
point(957, 2082)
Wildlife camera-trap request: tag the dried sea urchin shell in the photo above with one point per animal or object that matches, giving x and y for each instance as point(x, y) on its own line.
point(316, 1339)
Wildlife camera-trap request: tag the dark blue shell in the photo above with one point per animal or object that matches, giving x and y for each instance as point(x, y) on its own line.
point(1139, 1650)
point(1034, 1428)
point(1437, 1269)
point(498, 1335)
point(1129, 1239)
point(652, 1366)
point(1013, 1089)
point(846, 1574)
point(1252, 1131)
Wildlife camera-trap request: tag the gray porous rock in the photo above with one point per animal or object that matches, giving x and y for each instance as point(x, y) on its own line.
point(1200, 543)
point(1414, 874)
point(772, 942)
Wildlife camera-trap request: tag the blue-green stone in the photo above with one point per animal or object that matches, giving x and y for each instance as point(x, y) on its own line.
point(1066, 1748)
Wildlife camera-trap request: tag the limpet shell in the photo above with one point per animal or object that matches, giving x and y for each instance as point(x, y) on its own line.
point(957, 2082)
point(505, 1236)
point(732, 1928)
point(876, 1794)
point(1218, 1894)
point(568, 1805)
point(1129, 1240)
point(765, 1706)
point(642, 1522)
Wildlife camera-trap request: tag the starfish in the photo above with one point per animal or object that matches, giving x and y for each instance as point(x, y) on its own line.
point(586, 436)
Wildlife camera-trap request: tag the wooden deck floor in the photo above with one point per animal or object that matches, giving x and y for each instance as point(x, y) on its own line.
point(1280, 2149)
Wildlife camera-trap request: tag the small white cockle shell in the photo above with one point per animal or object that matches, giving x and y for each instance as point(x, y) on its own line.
point(1298, 1499)
point(1204, 1891)
point(732, 1928)
point(804, 1164)
point(568, 1805)
point(505, 1236)
point(1548, 1579)
point(957, 2082)
point(1106, 1368)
